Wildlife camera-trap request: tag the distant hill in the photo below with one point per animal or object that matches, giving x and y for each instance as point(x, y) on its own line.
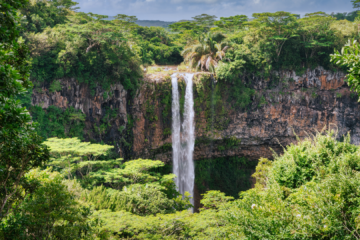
point(150, 23)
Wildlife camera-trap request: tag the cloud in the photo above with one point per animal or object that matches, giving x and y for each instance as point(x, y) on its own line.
point(203, 1)
point(173, 10)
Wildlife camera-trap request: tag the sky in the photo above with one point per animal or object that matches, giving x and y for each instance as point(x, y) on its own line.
point(175, 10)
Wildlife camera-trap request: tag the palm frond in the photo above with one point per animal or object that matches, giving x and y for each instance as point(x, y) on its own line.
point(220, 54)
point(225, 48)
point(209, 61)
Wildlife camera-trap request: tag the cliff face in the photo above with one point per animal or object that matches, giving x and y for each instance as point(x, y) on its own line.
point(296, 106)
point(95, 107)
point(285, 105)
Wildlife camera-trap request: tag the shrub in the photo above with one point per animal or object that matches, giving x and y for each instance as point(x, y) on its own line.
point(55, 86)
point(310, 192)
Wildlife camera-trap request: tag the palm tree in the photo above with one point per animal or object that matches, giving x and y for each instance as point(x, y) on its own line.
point(207, 53)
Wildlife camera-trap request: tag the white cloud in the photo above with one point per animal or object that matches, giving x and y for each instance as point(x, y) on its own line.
point(203, 1)
point(173, 10)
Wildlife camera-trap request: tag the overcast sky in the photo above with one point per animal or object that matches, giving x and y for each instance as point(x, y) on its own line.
point(174, 10)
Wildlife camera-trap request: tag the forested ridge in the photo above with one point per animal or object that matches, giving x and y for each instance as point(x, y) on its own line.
point(55, 185)
point(97, 52)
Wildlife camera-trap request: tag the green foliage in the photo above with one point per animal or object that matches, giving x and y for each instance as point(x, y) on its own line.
point(308, 193)
point(136, 186)
point(348, 58)
point(20, 146)
point(214, 199)
point(138, 199)
point(156, 46)
point(350, 16)
point(204, 20)
point(41, 14)
point(166, 147)
point(73, 146)
point(92, 50)
point(275, 41)
point(262, 101)
point(229, 175)
point(180, 225)
point(241, 94)
point(70, 156)
point(49, 212)
point(206, 54)
point(209, 98)
point(150, 111)
point(229, 143)
point(309, 160)
point(126, 18)
point(277, 28)
point(55, 86)
point(166, 100)
point(183, 26)
point(55, 122)
point(262, 171)
point(356, 3)
point(232, 23)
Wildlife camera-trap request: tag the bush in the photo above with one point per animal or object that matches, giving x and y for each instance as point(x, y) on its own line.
point(49, 212)
point(55, 86)
point(310, 192)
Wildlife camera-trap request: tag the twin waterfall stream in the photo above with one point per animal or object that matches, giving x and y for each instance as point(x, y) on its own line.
point(183, 136)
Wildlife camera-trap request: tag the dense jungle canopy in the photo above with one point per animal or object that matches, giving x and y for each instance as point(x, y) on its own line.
point(53, 185)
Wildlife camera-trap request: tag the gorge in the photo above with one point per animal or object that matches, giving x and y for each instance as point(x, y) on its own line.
point(213, 128)
point(297, 105)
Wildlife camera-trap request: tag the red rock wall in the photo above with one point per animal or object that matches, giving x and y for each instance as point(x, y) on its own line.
point(306, 104)
point(301, 105)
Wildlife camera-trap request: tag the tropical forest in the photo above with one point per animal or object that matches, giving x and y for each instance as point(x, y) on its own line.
point(236, 127)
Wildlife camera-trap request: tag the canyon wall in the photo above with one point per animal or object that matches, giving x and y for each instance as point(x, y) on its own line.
point(284, 106)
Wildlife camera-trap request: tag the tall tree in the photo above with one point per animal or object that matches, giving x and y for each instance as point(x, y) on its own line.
point(20, 147)
point(207, 53)
point(275, 28)
point(356, 3)
point(204, 20)
point(41, 14)
point(315, 32)
point(232, 23)
point(126, 18)
point(186, 25)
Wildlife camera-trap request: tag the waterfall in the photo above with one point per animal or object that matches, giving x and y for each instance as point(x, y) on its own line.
point(183, 144)
point(176, 128)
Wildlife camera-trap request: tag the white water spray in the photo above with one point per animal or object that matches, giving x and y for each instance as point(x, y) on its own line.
point(183, 164)
point(176, 128)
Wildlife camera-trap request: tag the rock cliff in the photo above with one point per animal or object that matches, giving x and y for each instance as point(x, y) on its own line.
point(284, 106)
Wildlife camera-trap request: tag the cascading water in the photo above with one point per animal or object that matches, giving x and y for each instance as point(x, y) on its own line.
point(188, 139)
point(183, 145)
point(176, 129)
